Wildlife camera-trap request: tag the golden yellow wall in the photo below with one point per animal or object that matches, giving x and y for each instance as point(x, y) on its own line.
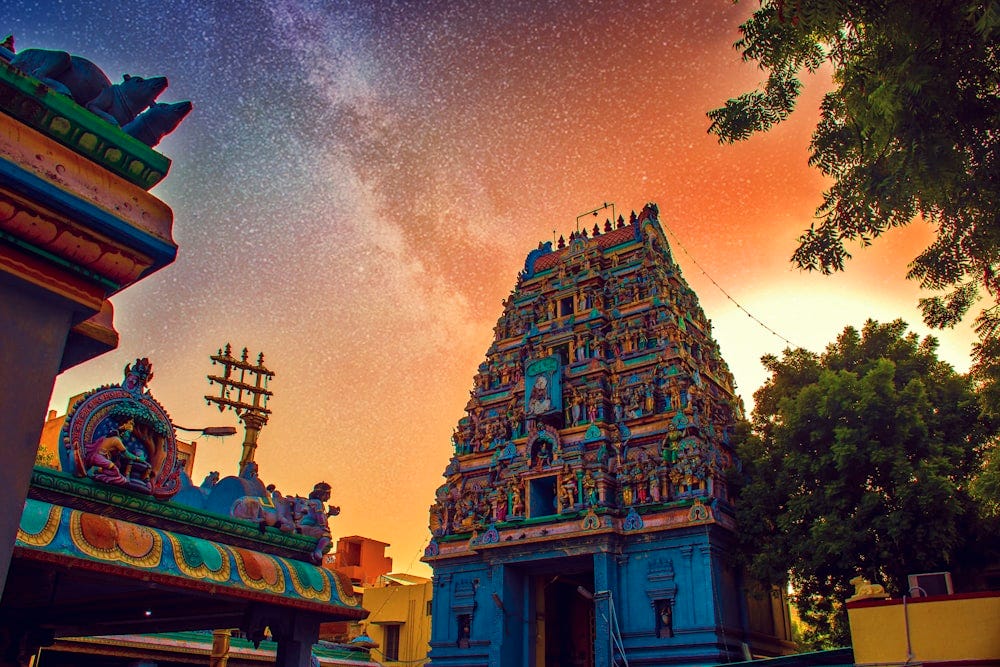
point(407, 606)
point(956, 627)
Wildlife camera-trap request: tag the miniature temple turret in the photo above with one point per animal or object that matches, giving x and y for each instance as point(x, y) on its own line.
point(585, 513)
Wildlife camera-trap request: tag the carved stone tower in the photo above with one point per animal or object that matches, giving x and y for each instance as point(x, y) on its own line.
point(585, 516)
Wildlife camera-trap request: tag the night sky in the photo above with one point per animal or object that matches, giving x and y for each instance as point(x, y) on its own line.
point(359, 183)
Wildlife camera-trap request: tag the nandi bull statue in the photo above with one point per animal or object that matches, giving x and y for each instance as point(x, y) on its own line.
point(308, 516)
point(276, 510)
point(130, 104)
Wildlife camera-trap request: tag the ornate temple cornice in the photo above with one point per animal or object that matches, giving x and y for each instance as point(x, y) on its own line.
point(76, 219)
point(74, 538)
point(53, 486)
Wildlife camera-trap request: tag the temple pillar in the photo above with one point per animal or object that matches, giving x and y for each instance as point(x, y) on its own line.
point(35, 326)
point(74, 230)
point(605, 613)
point(295, 638)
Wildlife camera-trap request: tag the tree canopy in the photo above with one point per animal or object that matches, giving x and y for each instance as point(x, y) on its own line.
point(858, 461)
point(910, 130)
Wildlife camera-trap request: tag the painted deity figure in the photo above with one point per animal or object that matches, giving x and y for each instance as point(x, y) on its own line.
point(544, 454)
point(517, 503)
point(311, 517)
point(576, 406)
point(654, 486)
point(568, 488)
point(539, 401)
point(100, 455)
point(603, 454)
point(641, 485)
point(626, 491)
point(500, 511)
point(590, 489)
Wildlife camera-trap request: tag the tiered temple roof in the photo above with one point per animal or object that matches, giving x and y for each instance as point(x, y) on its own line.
point(603, 404)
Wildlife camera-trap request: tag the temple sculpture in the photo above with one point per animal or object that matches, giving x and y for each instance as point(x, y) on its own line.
point(120, 531)
point(585, 515)
point(130, 105)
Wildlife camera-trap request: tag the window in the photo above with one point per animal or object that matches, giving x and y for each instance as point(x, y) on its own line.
point(566, 306)
point(390, 647)
point(353, 556)
point(563, 352)
point(430, 607)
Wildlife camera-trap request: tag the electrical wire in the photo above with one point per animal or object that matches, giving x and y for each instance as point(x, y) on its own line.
point(680, 245)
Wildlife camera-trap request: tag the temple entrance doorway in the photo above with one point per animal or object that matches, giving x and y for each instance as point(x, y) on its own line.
point(564, 619)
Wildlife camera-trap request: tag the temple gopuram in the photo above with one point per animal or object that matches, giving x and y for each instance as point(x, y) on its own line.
point(585, 518)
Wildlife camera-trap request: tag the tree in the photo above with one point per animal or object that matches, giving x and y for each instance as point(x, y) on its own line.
point(909, 131)
point(858, 461)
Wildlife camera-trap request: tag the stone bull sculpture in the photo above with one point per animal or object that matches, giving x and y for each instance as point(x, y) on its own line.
point(276, 511)
point(130, 104)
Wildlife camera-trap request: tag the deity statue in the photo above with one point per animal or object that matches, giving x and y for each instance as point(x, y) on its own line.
point(539, 401)
point(101, 454)
point(654, 486)
point(568, 491)
point(576, 406)
point(616, 404)
point(590, 489)
point(311, 517)
point(517, 504)
point(641, 484)
point(500, 505)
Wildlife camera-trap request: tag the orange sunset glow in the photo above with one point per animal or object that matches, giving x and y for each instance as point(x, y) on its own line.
point(358, 187)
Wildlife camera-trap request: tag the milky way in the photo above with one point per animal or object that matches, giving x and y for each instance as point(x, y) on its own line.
point(359, 183)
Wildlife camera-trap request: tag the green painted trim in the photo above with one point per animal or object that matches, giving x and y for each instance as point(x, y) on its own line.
point(63, 120)
point(61, 488)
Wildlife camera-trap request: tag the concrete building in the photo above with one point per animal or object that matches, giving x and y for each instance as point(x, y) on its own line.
point(360, 559)
point(960, 629)
point(400, 620)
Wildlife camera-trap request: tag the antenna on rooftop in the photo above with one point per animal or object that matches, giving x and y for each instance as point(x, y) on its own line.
point(602, 207)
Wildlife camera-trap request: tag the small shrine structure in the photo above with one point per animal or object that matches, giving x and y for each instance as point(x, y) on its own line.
point(585, 518)
point(105, 547)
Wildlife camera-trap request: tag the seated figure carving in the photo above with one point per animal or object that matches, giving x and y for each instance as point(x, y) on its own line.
point(102, 456)
point(865, 590)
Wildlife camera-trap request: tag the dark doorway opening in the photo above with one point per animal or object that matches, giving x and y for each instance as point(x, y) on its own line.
point(542, 496)
point(564, 613)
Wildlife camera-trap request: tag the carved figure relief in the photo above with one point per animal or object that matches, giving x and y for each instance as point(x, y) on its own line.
point(130, 104)
point(120, 435)
point(592, 335)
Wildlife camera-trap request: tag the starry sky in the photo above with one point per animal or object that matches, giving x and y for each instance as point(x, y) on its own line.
point(360, 182)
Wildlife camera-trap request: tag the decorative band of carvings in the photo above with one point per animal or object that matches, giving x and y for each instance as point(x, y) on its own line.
point(62, 489)
point(101, 543)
